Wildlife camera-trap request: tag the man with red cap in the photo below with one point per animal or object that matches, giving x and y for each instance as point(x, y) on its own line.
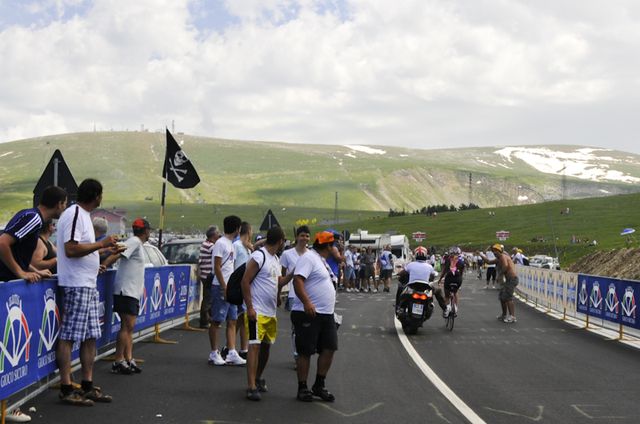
point(312, 317)
point(127, 290)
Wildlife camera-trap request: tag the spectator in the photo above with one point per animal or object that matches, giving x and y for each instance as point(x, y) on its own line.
point(221, 311)
point(242, 249)
point(349, 271)
point(127, 290)
point(260, 287)
point(20, 237)
point(370, 270)
point(386, 268)
point(205, 273)
point(491, 269)
point(505, 267)
point(101, 227)
point(44, 257)
point(288, 261)
point(313, 317)
point(78, 266)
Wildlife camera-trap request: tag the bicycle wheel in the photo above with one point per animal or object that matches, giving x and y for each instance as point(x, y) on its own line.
point(450, 321)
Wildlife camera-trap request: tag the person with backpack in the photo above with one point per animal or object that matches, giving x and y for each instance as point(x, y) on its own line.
point(386, 267)
point(261, 284)
point(223, 255)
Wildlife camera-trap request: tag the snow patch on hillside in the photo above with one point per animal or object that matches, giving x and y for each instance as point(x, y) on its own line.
point(366, 149)
point(485, 163)
point(5, 154)
point(351, 155)
point(581, 163)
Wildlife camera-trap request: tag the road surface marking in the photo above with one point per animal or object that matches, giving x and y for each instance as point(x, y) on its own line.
point(458, 403)
point(591, 417)
point(515, 414)
point(438, 413)
point(354, 414)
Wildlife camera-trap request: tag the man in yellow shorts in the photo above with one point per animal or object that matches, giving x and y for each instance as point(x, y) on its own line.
point(260, 286)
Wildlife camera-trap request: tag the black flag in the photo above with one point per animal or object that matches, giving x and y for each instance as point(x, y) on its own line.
point(57, 173)
point(269, 221)
point(177, 167)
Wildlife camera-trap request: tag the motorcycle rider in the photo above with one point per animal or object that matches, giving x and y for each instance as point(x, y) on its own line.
point(418, 270)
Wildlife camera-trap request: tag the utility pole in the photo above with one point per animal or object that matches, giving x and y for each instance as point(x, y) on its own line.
point(470, 188)
point(335, 218)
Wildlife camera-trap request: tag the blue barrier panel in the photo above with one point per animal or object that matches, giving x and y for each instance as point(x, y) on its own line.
point(608, 298)
point(30, 316)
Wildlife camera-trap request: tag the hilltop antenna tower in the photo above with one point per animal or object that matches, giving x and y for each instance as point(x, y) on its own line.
point(336, 210)
point(564, 182)
point(470, 188)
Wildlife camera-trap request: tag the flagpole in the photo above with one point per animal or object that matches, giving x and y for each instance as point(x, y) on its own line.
point(164, 192)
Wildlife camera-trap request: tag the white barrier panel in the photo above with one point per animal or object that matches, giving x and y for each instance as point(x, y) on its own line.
point(555, 290)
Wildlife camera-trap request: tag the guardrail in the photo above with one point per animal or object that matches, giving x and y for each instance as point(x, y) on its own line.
point(30, 316)
point(596, 301)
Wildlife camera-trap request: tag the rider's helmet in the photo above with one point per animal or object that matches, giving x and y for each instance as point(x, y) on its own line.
point(420, 253)
point(455, 250)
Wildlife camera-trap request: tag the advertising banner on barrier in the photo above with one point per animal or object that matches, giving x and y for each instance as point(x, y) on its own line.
point(610, 299)
point(30, 315)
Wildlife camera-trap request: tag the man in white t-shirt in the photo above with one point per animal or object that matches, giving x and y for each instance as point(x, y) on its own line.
point(491, 269)
point(127, 291)
point(78, 267)
point(242, 249)
point(260, 286)
point(386, 267)
point(288, 261)
point(312, 317)
point(223, 257)
point(349, 270)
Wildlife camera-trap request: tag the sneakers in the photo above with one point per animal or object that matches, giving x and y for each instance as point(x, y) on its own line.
point(374, 291)
point(234, 359)
point(446, 312)
point(215, 358)
point(243, 354)
point(134, 367)
point(386, 290)
point(96, 395)
point(323, 394)
point(509, 319)
point(500, 317)
point(17, 416)
point(261, 384)
point(254, 394)
point(121, 367)
point(224, 352)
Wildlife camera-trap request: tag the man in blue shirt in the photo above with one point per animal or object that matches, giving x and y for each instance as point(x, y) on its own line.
point(20, 237)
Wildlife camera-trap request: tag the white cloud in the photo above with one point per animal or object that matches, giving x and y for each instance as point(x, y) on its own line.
point(426, 73)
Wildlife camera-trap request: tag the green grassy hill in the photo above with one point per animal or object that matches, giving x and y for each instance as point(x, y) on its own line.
point(601, 219)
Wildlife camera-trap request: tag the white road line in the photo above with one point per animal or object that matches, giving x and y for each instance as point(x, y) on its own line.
point(458, 403)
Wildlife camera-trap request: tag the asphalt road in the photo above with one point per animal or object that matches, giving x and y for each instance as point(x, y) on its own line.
point(537, 370)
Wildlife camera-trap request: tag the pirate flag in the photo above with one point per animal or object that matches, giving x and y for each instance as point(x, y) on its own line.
point(178, 169)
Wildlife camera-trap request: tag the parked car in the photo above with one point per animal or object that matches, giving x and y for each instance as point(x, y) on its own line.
point(182, 251)
point(152, 257)
point(543, 261)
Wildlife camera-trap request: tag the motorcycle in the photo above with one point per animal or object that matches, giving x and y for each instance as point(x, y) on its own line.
point(414, 306)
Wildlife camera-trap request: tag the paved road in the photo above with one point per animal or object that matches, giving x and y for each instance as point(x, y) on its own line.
point(538, 370)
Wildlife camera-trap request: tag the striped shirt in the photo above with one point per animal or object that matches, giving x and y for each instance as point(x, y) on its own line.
point(205, 263)
point(24, 227)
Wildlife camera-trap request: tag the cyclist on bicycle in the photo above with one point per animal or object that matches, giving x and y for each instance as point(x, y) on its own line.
point(418, 270)
point(452, 272)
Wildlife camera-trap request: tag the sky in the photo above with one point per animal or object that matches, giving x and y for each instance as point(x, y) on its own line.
point(412, 73)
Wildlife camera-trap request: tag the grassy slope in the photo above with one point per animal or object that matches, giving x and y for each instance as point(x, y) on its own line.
point(598, 218)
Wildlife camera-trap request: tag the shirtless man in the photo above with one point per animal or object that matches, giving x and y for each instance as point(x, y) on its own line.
point(507, 268)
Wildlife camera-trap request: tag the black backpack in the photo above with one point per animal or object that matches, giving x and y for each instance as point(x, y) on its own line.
point(234, 285)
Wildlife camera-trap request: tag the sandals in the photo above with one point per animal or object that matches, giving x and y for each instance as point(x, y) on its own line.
point(75, 398)
point(305, 395)
point(96, 395)
point(323, 394)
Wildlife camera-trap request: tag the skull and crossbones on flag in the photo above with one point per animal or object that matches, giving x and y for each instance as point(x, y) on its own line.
point(179, 170)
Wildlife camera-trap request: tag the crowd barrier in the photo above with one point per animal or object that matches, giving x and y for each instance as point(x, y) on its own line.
point(30, 317)
point(606, 302)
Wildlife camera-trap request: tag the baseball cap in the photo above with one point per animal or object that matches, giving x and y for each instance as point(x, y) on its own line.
point(324, 237)
point(140, 224)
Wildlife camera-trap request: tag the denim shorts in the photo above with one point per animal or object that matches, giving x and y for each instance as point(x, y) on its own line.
point(221, 310)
